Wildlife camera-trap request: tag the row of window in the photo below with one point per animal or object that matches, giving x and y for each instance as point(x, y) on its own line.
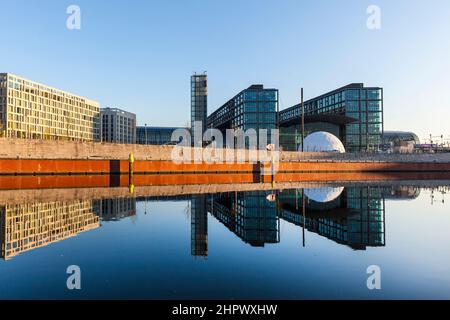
point(55, 106)
point(351, 100)
point(22, 85)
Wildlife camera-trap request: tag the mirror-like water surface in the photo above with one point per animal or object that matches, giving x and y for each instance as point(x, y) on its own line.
point(285, 244)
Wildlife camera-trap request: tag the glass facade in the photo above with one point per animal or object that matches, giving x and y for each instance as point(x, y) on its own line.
point(290, 137)
point(394, 136)
point(253, 108)
point(362, 104)
point(155, 135)
point(199, 99)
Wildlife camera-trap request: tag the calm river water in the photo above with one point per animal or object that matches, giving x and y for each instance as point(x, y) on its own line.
point(286, 244)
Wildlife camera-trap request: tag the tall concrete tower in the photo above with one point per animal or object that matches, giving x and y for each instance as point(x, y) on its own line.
point(199, 103)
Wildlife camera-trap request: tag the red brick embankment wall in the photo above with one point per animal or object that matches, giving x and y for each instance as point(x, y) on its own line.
point(42, 167)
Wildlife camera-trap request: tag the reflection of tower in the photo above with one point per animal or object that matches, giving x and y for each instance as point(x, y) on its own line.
point(24, 227)
point(117, 209)
point(199, 226)
point(249, 215)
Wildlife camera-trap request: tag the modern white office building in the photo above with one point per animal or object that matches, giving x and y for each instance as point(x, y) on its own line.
point(118, 126)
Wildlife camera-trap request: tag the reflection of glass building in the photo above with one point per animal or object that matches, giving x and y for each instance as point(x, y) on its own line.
point(247, 214)
point(353, 113)
point(253, 108)
point(25, 227)
point(355, 219)
point(199, 226)
point(117, 209)
point(367, 227)
point(401, 192)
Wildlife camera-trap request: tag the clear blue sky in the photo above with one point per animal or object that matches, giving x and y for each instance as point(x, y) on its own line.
point(139, 55)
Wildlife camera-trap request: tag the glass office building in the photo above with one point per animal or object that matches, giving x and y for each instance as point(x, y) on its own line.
point(354, 113)
point(253, 108)
point(155, 135)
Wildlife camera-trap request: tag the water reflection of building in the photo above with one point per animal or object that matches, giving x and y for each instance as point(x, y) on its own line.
point(247, 214)
point(356, 218)
point(117, 209)
point(25, 227)
point(401, 192)
point(199, 226)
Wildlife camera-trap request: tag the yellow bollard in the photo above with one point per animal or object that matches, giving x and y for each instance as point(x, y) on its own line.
point(131, 158)
point(272, 169)
point(130, 170)
point(131, 161)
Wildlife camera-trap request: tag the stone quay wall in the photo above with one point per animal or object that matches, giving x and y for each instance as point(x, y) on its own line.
point(70, 150)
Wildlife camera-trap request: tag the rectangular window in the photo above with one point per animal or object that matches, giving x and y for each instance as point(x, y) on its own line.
point(353, 128)
point(250, 106)
point(373, 94)
point(270, 95)
point(250, 118)
point(374, 106)
point(374, 117)
point(270, 106)
point(353, 115)
point(352, 106)
point(251, 96)
point(352, 94)
point(363, 94)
